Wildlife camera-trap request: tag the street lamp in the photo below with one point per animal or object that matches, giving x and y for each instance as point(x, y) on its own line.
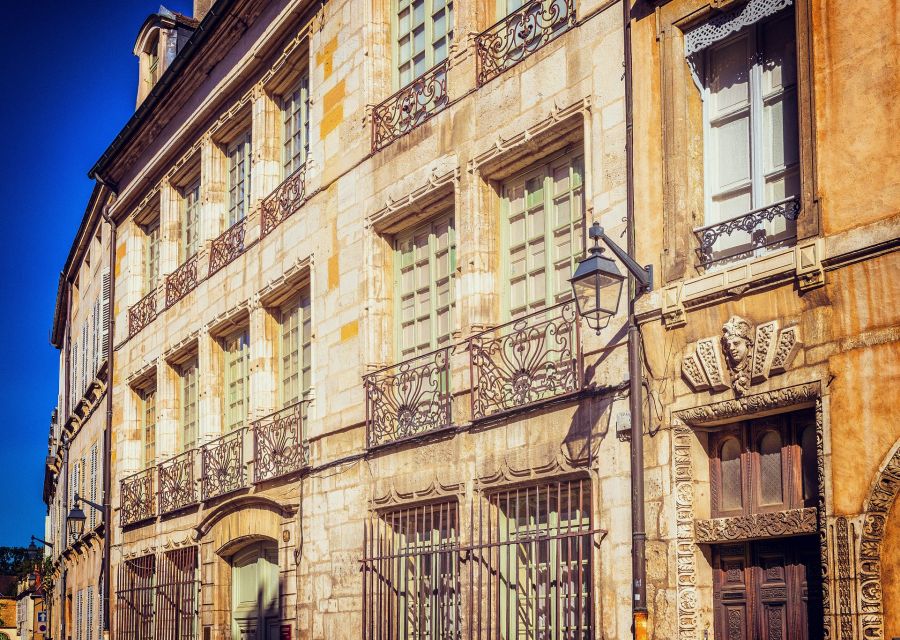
point(76, 518)
point(597, 282)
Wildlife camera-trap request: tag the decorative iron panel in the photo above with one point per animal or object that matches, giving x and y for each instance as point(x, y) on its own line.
point(278, 444)
point(284, 201)
point(753, 225)
point(520, 34)
point(533, 359)
point(137, 497)
point(142, 313)
point(411, 106)
point(223, 465)
point(182, 281)
point(408, 399)
point(176, 482)
point(227, 246)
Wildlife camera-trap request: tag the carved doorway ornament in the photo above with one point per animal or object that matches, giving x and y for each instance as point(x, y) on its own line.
point(744, 355)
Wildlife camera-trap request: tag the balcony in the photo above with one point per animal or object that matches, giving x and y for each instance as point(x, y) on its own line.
point(142, 313)
point(222, 465)
point(415, 103)
point(177, 488)
point(137, 497)
point(227, 246)
point(534, 359)
point(408, 399)
point(284, 201)
point(520, 34)
point(182, 281)
point(748, 235)
point(279, 448)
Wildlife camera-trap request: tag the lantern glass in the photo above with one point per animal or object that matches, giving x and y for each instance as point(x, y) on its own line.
point(597, 285)
point(75, 522)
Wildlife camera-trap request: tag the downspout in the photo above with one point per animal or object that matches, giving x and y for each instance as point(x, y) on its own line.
point(635, 374)
point(107, 432)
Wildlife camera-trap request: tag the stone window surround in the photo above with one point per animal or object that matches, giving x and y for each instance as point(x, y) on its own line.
point(680, 107)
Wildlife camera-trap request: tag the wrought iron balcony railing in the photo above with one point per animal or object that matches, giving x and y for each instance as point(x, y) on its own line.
point(520, 34)
point(227, 246)
point(411, 106)
point(142, 313)
point(137, 497)
point(177, 486)
point(182, 281)
point(278, 444)
point(533, 359)
point(284, 201)
point(222, 465)
point(743, 236)
point(408, 399)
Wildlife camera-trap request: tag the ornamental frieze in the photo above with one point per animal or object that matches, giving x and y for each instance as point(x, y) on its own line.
point(792, 522)
point(744, 355)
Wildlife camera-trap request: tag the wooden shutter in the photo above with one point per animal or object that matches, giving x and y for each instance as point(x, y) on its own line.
point(89, 618)
point(105, 310)
point(74, 363)
point(93, 485)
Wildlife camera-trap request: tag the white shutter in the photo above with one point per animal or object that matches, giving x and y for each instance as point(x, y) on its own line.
point(73, 382)
point(93, 486)
point(105, 311)
point(79, 613)
point(95, 339)
point(85, 347)
point(89, 622)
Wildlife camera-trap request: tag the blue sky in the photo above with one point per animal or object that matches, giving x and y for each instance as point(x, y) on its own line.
point(69, 80)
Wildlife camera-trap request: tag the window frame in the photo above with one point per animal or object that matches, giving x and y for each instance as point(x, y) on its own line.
point(148, 410)
point(289, 106)
point(238, 162)
point(151, 246)
point(298, 306)
point(189, 213)
point(231, 359)
point(431, 58)
point(188, 371)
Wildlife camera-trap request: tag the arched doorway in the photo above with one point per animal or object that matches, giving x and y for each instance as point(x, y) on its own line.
point(255, 611)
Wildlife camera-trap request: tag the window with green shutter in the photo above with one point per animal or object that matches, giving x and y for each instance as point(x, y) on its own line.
point(238, 154)
point(237, 379)
point(189, 404)
point(296, 349)
point(542, 234)
point(295, 131)
point(422, 30)
point(190, 220)
point(425, 264)
point(148, 425)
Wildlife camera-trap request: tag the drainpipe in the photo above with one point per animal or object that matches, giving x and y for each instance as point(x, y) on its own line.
point(635, 374)
point(107, 432)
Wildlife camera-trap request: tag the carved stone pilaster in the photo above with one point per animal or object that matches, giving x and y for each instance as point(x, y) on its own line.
point(685, 559)
point(793, 522)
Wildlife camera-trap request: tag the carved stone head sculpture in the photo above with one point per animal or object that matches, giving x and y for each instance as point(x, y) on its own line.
point(737, 343)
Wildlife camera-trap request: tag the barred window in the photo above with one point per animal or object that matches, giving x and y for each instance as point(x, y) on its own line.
point(542, 232)
point(189, 403)
point(238, 154)
point(176, 595)
point(134, 599)
point(190, 220)
point(295, 117)
point(237, 379)
point(412, 574)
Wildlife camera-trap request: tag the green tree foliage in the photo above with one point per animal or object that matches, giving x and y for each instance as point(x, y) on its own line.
point(16, 562)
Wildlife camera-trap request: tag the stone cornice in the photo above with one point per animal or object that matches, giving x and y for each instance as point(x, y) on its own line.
point(794, 396)
point(793, 522)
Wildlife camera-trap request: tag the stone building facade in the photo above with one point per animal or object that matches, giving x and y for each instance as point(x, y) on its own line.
point(352, 396)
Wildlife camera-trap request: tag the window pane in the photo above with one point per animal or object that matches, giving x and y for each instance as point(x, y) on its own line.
point(730, 458)
point(770, 491)
point(189, 402)
point(729, 76)
point(808, 460)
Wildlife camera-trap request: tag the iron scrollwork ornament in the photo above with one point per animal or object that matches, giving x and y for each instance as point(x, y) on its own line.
point(137, 497)
point(525, 361)
point(176, 482)
point(411, 106)
point(223, 465)
point(520, 34)
point(278, 444)
point(142, 313)
point(227, 246)
point(408, 399)
point(284, 201)
point(182, 281)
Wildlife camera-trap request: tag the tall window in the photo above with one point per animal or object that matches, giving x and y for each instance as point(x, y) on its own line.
point(750, 107)
point(412, 566)
point(148, 425)
point(425, 264)
point(151, 255)
point(238, 154)
point(295, 118)
point(189, 404)
point(237, 379)
point(543, 232)
point(423, 31)
point(190, 219)
point(296, 349)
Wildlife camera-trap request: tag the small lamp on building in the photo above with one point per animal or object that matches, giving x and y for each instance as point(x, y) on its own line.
point(76, 518)
point(597, 282)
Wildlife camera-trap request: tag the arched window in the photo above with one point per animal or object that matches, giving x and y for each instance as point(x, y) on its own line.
point(152, 53)
point(770, 481)
point(730, 481)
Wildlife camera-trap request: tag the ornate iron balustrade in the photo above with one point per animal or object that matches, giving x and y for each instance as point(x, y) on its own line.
point(284, 201)
point(137, 497)
point(222, 465)
point(142, 313)
point(533, 359)
point(177, 488)
point(278, 444)
point(227, 246)
point(520, 34)
point(411, 106)
point(408, 399)
point(753, 226)
point(182, 281)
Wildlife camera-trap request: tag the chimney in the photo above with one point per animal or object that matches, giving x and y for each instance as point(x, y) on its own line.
point(201, 7)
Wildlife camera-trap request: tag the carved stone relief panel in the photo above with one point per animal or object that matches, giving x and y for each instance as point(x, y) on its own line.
point(757, 526)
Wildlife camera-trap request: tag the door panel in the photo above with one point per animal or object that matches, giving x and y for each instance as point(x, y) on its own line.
point(731, 593)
